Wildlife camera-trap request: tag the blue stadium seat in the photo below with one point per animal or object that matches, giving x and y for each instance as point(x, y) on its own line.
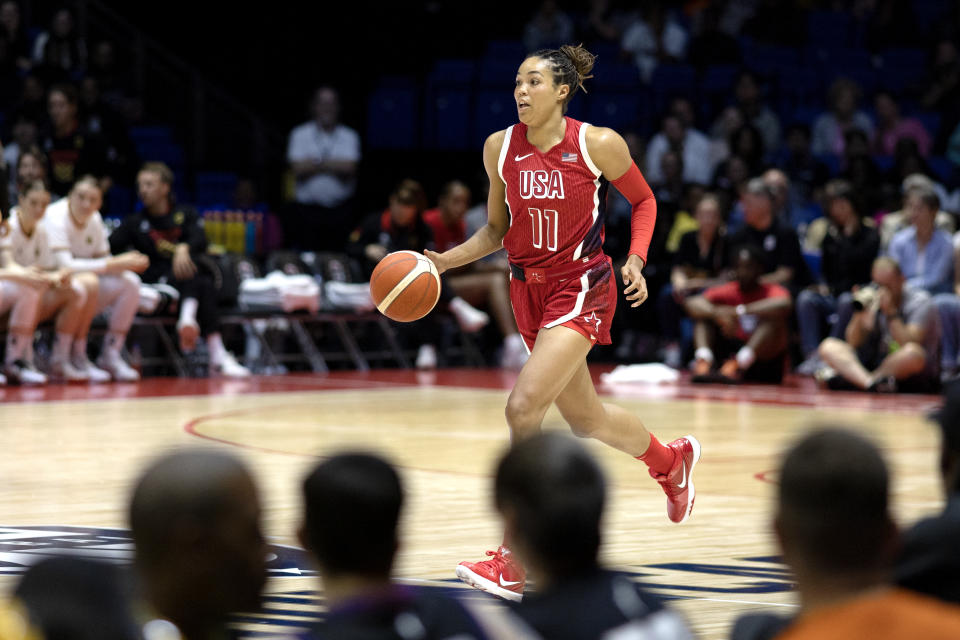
point(493, 110)
point(214, 187)
point(915, 59)
point(930, 121)
point(151, 133)
point(941, 167)
point(446, 121)
point(765, 58)
point(831, 161)
point(671, 80)
point(119, 201)
point(512, 50)
point(829, 27)
point(392, 116)
point(614, 75)
point(497, 72)
point(452, 72)
point(608, 53)
point(617, 110)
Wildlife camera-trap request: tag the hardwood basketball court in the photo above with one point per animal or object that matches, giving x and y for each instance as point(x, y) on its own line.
point(70, 455)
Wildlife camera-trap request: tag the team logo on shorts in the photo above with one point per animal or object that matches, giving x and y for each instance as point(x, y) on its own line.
point(593, 319)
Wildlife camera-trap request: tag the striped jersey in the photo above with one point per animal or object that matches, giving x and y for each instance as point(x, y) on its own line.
point(556, 199)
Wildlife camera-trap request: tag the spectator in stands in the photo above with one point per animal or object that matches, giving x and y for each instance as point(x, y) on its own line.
point(929, 559)
point(653, 37)
point(783, 263)
point(730, 181)
point(73, 151)
point(351, 510)
point(31, 166)
point(401, 227)
point(33, 99)
point(77, 598)
point(941, 92)
point(692, 145)
point(848, 250)
point(891, 127)
point(551, 494)
point(749, 100)
point(747, 143)
point(751, 317)
point(199, 551)
point(69, 298)
point(18, 42)
point(324, 156)
point(475, 283)
point(172, 237)
point(834, 528)
point(892, 340)
point(25, 135)
point(896, 221)
point(113, 78)
point(78, 239)
point(100, 119)
point(605, 21)
point(861, 171)
point(669, 188)
point(729, 120)
point(548, 27)
point(923, 252)
point(697, 265)
point(830, 128)
point(60, 52)
point(807, 174)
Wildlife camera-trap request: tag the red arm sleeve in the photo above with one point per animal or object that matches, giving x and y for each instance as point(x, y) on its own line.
point(637, 192)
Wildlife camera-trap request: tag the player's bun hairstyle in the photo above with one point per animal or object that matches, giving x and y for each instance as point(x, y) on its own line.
point(571, 65)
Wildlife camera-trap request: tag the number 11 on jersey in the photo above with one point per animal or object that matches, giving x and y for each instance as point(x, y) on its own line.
point(544, 226)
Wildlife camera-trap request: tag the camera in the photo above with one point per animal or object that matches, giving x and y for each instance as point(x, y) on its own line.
point(864, 297)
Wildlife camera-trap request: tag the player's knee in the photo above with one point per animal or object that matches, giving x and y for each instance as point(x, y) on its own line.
point(914, 355)
point(830, 347)
point(522, 411)
point(131, 281)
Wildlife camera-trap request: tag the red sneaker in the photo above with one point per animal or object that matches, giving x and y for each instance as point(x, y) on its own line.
point(501, 575)
point(678, 484)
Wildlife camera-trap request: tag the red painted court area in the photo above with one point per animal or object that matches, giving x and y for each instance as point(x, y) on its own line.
point(794, 392)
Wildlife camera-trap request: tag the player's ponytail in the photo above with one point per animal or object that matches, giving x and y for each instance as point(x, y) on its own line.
point(571, 65)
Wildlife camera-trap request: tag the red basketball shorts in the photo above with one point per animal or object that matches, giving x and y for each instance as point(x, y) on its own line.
point(583, 302)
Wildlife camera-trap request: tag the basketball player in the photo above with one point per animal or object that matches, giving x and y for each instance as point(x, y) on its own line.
point(548, 179)
point(78, 239)
point(20, 291)
point(26, 248)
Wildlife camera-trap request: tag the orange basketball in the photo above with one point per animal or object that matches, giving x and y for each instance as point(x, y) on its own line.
point(405, 286)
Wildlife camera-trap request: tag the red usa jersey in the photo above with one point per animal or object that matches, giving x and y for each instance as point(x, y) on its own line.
point(556, 200)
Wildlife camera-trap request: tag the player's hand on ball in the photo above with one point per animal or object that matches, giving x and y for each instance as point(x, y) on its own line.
point(436, 259)
point(636, 290)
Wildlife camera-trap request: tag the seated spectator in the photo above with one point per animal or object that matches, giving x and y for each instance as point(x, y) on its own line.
point(751, 318)
point(18, 42)
point(692, 146)
point(548, 28)
point(33, 99)
point(807, 174)
point(891, 127)
point(402, 228)
point(474, 283)
point(836, 533)
point(697, 265)
point(847, 250)
point(31, 166)
point(783, 263)
point(78, 240)
point(748, 98)
point(199, 551)
point(653, 37)
point(924, 253)
point(860, 170)
point(929, 560)
point(72, 150)
point(670, 188)
point(941, 89)
point(604, 21)
point(60, 52)
point(351, 508)
point(731, 181)
point(895, 221)
point(784, 210)
point(25, 134)
point(324, 156)
point(892, 341)
point(70, 298)
point(551, 496)
point(830, 128)
point(172, 238)
point(729, 120)
point(77, 598)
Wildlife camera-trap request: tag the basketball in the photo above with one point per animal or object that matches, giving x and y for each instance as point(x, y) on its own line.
point(405, 286)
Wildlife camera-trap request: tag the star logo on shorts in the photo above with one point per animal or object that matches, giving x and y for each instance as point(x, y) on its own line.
point(592, 319)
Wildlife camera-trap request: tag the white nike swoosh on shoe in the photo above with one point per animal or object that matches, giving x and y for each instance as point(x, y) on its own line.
point(519, 158)
point(508, 583)
point(684, 483)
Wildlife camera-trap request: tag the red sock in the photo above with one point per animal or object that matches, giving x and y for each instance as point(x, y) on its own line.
point(658, 457)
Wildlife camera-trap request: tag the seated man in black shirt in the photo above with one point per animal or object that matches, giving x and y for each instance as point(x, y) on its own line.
point(551, 494)
point(929, 561)
point(782, 260)
point(352, 504)
point(172, 237)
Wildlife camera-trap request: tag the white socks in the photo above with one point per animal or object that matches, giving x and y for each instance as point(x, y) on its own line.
point(61, 347)
point(188, 311)
point(215, 347)
point(704, 353)
point(745, 358)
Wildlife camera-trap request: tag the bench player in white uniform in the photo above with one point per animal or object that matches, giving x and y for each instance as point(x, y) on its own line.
point(70, 298)
point(78, 238)
point(20, 291)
